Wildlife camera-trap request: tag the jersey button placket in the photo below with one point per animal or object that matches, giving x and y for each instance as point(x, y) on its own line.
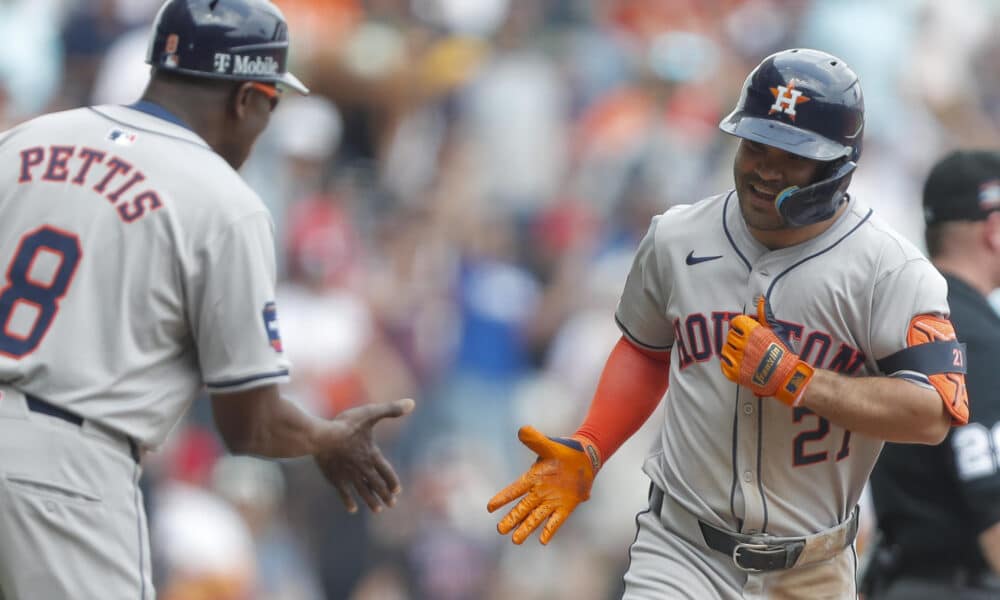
point(749, 442)
point(746, 451)
point(746, 501)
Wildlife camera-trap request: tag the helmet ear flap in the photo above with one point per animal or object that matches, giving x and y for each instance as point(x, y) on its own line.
point(818, 201)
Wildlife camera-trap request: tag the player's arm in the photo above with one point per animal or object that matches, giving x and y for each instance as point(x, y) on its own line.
point(917, 407)
point(631, 385)
point(886, 408)
point(230, 298)
point(258, 421)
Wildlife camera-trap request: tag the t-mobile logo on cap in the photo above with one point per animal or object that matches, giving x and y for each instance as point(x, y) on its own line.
point(255, 65)
point(222, 61)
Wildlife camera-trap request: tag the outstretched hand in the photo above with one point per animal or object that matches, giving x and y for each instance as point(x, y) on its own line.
point(552, 488)
point(350, 458)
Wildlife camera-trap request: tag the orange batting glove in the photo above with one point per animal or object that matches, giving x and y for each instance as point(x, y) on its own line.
point(756, 357)
point(558, 481)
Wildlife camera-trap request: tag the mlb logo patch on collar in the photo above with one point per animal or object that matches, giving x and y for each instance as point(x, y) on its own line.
point(122, 137)
point(270, 314)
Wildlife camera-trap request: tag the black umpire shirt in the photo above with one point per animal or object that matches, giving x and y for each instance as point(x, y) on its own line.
point(932, 502)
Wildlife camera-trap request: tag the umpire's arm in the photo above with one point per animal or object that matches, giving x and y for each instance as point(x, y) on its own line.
point(989, 541)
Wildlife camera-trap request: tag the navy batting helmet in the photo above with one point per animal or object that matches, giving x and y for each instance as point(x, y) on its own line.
point(239, 40)
point(808, 103)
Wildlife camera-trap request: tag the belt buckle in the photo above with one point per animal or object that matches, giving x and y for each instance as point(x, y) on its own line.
point(748, 546)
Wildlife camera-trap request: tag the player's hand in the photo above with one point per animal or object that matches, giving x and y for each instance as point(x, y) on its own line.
point(558, 481)
point(349, 457)
point(754, 356)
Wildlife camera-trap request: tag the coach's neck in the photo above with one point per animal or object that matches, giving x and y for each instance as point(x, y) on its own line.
point(201, 104)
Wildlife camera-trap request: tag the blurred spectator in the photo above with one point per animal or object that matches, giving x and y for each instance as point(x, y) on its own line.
point(204, 547)
point(496, 299)
point(256, 488)
point(89, 30)
point(654, 135)
point(943, 73)
point(31, 58)
point(448, 549)
point(139, 12)
point(338, 350)
point(122, 74)
point(5, 120)
point(470, 18)
point(293, 158)
point(515, 116)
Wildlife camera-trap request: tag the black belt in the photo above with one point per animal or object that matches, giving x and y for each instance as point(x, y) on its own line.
point(749, 555)
point(747, 552)
point(36, 404)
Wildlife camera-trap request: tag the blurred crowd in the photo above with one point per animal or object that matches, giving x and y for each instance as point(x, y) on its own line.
point(456, 206)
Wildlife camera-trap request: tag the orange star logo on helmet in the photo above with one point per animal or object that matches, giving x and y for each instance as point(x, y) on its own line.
point(786, 98)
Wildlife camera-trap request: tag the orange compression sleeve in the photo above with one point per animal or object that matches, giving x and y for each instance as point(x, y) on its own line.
point(631, 386)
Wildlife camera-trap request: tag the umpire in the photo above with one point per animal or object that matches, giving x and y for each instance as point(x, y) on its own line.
point(938, 507)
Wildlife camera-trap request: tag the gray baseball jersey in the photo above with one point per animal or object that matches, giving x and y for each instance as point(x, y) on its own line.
point(138, 268)
point(845, 298)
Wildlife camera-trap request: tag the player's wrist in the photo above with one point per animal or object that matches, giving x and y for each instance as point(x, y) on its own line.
point(591, 451)
point(793, 388)
point(326, 435)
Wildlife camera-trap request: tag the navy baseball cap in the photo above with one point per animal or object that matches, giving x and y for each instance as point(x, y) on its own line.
point(963, 186)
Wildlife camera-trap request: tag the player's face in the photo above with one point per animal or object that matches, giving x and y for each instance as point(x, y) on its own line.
point(761, 172)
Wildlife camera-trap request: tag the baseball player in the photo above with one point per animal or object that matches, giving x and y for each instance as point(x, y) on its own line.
point(137, 269)
point(797, 332)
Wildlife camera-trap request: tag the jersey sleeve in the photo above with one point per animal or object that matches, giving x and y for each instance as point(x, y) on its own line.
point(910, 312)
point(234, 316)
point(642, 313)
point(912, 289)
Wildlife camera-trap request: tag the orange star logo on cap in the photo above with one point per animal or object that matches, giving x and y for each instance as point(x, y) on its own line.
point(786, 98)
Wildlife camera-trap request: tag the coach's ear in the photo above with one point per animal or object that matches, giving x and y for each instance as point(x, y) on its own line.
point(241, 100)
point(991, 231)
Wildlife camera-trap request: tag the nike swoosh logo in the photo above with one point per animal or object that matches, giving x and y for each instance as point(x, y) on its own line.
point(693, 260)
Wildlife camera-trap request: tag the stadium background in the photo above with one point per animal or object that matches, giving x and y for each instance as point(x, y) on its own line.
point(456, 207)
